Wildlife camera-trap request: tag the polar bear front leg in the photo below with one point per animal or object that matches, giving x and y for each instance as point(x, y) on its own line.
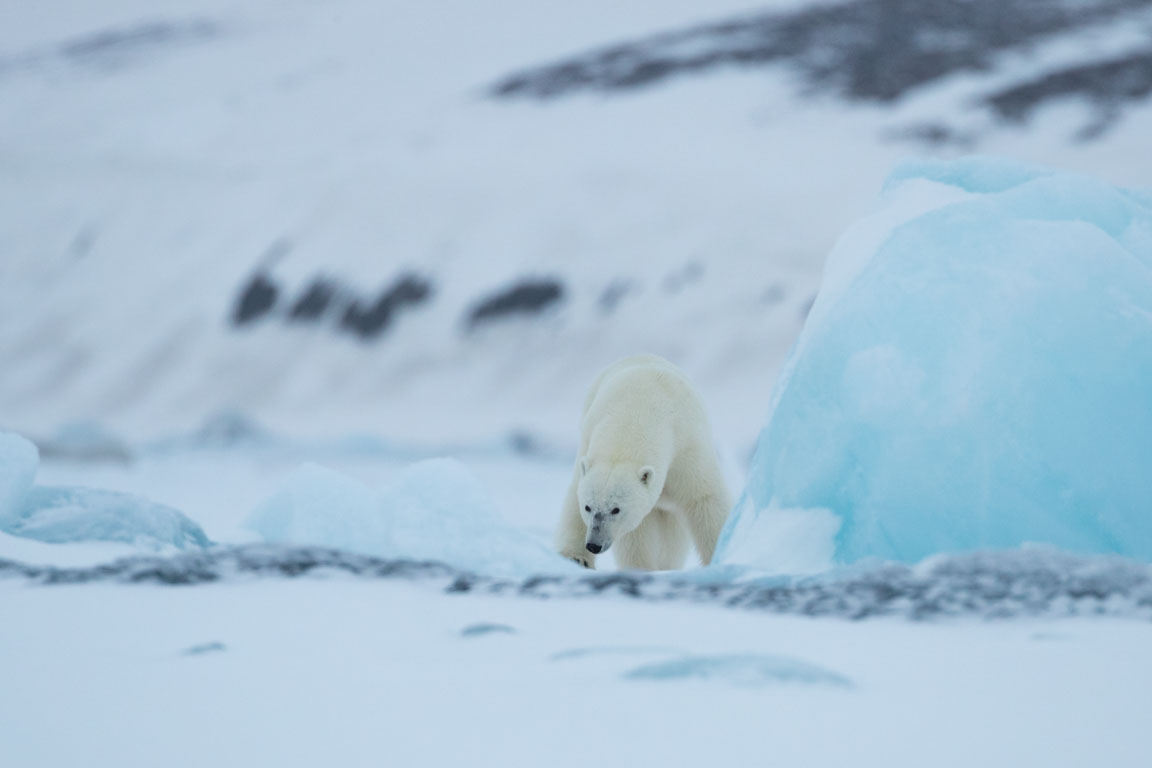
point(705, 517)
point(572, 534)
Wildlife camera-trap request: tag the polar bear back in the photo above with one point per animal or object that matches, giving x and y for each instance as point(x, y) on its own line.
point(642, 408)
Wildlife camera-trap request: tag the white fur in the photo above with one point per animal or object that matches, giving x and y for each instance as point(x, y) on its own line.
point(645, 450)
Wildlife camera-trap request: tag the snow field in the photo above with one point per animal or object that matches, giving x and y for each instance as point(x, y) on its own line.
point(307, 672)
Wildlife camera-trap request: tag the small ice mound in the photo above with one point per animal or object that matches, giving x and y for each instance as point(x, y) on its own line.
point(976, 374)
point(744, 670)
point(60, 515)
point(19, 461)
point(434, 510)
point(322, 507)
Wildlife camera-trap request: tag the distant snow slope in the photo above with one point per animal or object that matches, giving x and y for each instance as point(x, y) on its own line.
point(318, 214)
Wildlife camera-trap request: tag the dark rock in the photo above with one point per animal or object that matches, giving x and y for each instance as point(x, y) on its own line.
point(369, 320)
point(1107, 83)
point(527, 297)
point(256, 299)
point(315, 301)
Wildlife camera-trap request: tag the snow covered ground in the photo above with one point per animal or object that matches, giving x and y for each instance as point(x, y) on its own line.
point(258, 666)
point(337, 672)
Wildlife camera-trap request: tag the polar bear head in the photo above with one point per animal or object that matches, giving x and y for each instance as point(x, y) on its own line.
point(614, 499)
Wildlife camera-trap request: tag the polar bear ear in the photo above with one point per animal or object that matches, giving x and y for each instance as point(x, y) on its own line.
point(583, 465)
point(646, 474)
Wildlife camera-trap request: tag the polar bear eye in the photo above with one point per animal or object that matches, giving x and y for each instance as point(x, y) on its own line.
point(616, 510)
point(587, 508)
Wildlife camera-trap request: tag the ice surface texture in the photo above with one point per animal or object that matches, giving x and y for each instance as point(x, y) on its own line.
point(748, 670)
point(434, 510)
point(985, 584)
point(71, 514)
point(67, 514)
point(975, 373)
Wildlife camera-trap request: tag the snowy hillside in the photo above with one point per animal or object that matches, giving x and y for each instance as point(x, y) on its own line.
point(358, 216)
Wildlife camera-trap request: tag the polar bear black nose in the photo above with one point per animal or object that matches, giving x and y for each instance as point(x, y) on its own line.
point(594, 548)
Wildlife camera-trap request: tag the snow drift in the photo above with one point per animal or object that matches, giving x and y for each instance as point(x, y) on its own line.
point(435, 510)
point(976, 373)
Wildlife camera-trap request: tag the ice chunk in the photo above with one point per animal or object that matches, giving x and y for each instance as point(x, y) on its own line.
point(434, 510)
point(18, 463)
point(65, 514)
point(58, 515)
point(318, 506)
point(976, 373)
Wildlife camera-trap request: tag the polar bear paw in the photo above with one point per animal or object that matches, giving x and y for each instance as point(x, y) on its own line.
point(585, 559)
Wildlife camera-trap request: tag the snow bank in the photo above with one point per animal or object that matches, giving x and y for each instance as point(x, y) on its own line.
point(72, 514)
point(976, 373)
point(435, 510)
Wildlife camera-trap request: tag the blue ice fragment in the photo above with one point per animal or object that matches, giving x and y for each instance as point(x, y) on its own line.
point(980, 377)
point(19, 460)
point(66, 514)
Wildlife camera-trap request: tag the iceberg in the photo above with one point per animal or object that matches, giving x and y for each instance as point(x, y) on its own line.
point(434, 510)
point(73, 514)
point(976, 373)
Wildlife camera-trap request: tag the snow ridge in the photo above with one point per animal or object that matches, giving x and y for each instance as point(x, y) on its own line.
point(1000, 585)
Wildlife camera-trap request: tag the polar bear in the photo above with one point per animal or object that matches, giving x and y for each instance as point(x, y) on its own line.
point(647, 479)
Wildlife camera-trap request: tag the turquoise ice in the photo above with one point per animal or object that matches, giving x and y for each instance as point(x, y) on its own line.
point(19, 460)
point(975, 373)
point(67, 514)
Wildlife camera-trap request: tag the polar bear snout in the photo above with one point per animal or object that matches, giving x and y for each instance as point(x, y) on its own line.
point(600, 535)
point(597, 541)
